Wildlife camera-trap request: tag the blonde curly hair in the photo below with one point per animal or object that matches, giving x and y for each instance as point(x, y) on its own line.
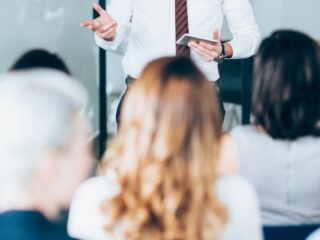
point(165, 156)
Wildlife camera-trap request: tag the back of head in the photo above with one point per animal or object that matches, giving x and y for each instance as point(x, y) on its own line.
point(165, 155)
point(39, 58)
point(38, 109)
point(286, 95)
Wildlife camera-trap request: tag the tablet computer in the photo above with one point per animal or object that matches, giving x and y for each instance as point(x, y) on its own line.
point(186, 38)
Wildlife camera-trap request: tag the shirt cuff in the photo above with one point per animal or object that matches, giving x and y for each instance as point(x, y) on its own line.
point(245, 46)
point(107, 45)
point(237, 48)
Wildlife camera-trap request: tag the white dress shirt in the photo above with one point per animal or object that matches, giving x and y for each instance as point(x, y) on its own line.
point(87, 222)
point(152, 30)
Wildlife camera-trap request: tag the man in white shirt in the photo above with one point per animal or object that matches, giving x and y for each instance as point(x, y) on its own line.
point(155, 25)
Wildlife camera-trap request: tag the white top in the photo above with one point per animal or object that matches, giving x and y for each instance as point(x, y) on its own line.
point(152, 25)
point(87, 222)
point(285, 175)
point(314, 236)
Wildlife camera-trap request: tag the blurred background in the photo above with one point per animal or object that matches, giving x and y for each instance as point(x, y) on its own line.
point(54, 25)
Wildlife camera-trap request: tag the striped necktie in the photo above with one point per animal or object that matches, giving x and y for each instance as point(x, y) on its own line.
point(182, 26)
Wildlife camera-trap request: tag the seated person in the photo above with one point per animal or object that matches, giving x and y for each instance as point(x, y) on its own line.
point(280, 153)
point(160, 172)
point(44, 152)
point(40, 58)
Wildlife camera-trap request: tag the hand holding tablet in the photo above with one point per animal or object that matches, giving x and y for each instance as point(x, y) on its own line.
point(186, 38)
point(208, 49)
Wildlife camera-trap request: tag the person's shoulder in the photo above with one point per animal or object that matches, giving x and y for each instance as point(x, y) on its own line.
point(229, 186)
point(240, 200)
point(98, 187)
point(237, 194)
point(90, 185)
point(228, 156)
point(245, 135)
point(314, 236)
point(243, 129)
point(86, 219)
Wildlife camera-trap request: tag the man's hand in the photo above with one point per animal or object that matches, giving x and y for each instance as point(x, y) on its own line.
point(104, 26)
point(208, 51)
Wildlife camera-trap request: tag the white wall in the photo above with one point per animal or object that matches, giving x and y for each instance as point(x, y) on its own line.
point(302, 15)
point(53, 25)
point(292, 14)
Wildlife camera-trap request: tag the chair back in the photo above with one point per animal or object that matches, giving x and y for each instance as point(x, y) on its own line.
point(236, 84)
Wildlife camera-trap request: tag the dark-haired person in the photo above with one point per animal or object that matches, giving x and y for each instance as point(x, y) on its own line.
point(40, 58)
point(153, 26)
point(280, 152)
point(160, 179)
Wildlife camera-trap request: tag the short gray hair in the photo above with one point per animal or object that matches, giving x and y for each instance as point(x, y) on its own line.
point(37, 112)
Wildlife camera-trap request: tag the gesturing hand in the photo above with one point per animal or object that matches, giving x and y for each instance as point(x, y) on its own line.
point(104, 26)
point(208, 51)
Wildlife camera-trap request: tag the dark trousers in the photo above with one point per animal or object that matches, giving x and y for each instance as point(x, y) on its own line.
point(215, 85)
point(129, 80)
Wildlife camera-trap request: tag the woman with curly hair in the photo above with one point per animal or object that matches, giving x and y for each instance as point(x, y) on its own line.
point(161, 177)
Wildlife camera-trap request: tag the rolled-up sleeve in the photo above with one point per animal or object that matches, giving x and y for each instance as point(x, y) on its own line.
point(243, 26)
point(121, 12)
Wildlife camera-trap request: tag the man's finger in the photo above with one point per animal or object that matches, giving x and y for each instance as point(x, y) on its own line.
point(91, 27)
point(99, 9)
point(203, 55)
point(192, 44)
point(199, 50)
point(208, 45)
point(97, 23)
point(109, 34)
point(216, 34)
point(205, 51)
point(108, 26)
point(214, 49)
point(86, 23)
point(107, 31)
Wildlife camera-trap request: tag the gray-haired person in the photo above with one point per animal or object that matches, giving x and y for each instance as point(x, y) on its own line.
point(44, 151)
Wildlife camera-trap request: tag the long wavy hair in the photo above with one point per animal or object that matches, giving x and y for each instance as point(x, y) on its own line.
point(165, 156)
